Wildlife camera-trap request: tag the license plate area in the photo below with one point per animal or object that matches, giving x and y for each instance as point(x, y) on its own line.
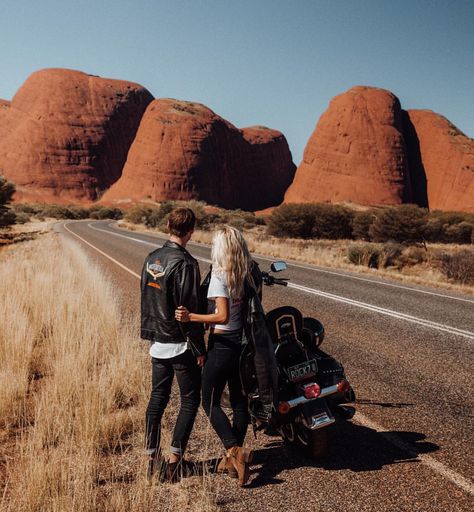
point(320, 420)
point(302, 371)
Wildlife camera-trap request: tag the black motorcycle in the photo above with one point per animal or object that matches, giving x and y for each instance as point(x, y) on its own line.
point(312, 385)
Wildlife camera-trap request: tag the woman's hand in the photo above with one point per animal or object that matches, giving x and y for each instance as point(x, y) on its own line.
point(182, 314)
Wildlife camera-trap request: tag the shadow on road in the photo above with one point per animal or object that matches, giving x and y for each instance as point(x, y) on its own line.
point(353, 447)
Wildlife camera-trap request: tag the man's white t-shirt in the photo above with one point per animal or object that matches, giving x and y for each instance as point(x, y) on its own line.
point(218, 288)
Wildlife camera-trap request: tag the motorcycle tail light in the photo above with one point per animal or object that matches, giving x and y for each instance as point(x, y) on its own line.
point(311, 390)
point(284, 407)
point(343, 386)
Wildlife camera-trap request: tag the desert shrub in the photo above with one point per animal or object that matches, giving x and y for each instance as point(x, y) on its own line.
point(361, 225)
point(365, 254)
point(239, 219)
point(292, 220)
point(139, 214)
point(460, 233)
point(459, 266)
point(22, 217)
point(391, 253)
point(158, 215)
point(311, 221)
point(332, 222)
point(56, 211)
point(105, 212)
point(404, 224)
point(450, 227)
point(413, 255)
point(7, 216)
point(79, 212)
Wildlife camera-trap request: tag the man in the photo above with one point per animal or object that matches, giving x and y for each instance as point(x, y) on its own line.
point(170, 278)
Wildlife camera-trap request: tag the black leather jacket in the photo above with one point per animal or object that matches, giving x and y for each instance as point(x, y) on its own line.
point(258, 367)
point(170, 278)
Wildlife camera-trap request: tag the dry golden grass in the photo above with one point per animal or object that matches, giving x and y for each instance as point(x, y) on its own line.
point(73, 390)
point(333, 254)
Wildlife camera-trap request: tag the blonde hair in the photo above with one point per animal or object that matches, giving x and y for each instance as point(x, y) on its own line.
point(231, 258)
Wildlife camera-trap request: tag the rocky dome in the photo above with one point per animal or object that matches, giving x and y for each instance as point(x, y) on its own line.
point(444, 157)
point(183, 150)
point(356, 153)
point(66, 134)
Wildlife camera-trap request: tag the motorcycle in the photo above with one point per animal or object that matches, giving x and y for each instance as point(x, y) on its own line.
point(312, 385)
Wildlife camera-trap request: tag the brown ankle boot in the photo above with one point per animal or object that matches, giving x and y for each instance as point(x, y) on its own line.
point(239, 458)
point(225, 466)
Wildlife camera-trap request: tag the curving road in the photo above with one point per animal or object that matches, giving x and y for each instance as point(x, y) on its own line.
point(409, 353)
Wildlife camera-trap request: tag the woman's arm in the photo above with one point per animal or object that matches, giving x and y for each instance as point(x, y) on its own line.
point(221, 316)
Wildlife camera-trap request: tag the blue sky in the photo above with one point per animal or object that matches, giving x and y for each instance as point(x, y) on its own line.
point(276, 63)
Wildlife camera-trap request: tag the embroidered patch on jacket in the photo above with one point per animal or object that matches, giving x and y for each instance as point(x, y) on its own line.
point(154, 285)
point(156, 270)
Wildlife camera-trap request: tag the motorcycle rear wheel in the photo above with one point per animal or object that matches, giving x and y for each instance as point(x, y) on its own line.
point(315, 443)
point(288, 433)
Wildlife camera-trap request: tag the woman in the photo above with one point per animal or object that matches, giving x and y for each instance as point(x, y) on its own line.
point(231, 269)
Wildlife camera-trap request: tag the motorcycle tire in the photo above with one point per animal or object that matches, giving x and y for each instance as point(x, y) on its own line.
point(315, 443)
point(288, 433)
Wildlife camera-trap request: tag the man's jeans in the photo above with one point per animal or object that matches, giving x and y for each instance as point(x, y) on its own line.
point(188, 375)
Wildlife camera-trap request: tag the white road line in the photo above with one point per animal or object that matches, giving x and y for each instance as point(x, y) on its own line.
point(385, 311)
point(339, 274)
point(345, 300)
point(102, 252)
point(138, 240)
point(436, 466)
point(331, 272)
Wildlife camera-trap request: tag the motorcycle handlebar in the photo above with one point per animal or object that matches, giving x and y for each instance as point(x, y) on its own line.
point(270, 280)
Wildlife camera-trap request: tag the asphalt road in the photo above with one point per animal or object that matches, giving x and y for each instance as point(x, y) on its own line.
point(408, 352)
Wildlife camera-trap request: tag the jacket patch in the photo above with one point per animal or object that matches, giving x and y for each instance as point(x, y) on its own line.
point(154, 285)
point(155, 269)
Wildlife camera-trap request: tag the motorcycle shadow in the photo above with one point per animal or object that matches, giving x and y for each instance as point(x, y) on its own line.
point(353, 447)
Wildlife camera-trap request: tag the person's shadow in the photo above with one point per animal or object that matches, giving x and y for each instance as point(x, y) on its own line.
point(353, 447)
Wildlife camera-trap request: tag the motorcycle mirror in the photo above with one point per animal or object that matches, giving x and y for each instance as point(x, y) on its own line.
point(278, 266)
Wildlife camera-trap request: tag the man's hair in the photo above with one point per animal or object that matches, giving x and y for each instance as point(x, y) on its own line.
point(181, 221)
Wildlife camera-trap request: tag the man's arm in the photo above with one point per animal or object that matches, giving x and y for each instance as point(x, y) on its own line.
point(186, 291)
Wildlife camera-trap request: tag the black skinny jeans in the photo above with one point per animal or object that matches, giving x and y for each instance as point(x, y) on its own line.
point(188, 375)
point(221, 368)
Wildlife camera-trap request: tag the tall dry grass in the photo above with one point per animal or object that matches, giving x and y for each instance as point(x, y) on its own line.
point(73, 390)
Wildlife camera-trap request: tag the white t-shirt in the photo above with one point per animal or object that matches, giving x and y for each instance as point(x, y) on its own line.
point(218, 288)
point(167, 350)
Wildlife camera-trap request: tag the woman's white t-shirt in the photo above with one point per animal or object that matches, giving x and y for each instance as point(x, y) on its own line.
point(218, 288)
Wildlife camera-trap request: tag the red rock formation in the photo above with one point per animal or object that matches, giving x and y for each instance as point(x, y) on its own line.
point(184, 150)
point(66, 134)
point(356, 153)
point(445, 161)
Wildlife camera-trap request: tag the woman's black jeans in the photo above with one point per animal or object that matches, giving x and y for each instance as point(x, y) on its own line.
point(221, 368)
point(188, 375)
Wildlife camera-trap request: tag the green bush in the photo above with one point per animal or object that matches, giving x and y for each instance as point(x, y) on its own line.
point(361, 224)
point(458, 267)
point(138, 214)
point(22, 217)
point(105, 212)
point(333, 222)
point(7, 216)
point(311, 221)
point(450, 227)
point(403, 224)
point(391, 253)
point(292, 220)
